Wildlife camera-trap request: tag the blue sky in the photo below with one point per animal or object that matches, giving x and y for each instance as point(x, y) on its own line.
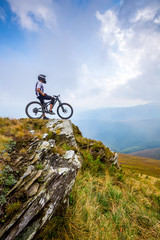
point(95, 53)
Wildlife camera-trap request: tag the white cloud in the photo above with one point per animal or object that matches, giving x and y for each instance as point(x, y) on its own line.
point(134, 49)
point(126, 76)
point(2, 14)
point(157, 20)
point(118, 44)
point(145, 14)
point(33, 14)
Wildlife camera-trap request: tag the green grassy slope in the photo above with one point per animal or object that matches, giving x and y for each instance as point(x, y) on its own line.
point(142, 165)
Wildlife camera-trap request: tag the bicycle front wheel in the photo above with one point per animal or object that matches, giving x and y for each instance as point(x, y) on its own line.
point(34, 110)
point(65, 111)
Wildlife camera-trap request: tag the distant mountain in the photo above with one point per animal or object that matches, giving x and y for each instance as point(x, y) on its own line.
point(124, 130)
point(148, 153)
point(139, 112)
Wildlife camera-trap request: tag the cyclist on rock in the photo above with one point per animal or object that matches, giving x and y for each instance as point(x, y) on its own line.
point(39, 89)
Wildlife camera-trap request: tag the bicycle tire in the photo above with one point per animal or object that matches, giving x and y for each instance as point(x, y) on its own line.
point(28, 113)
point(67, 107)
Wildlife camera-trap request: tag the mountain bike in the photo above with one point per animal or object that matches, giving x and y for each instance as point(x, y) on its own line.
point(36, 110)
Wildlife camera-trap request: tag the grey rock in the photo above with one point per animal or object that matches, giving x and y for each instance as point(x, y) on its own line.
point(33, 189)
point(44, 135)
point(28, 171)
point(32, 132)
point(114, 160)
point(48, 181)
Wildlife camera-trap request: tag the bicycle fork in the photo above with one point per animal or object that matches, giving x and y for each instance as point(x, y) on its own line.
point(61, 106)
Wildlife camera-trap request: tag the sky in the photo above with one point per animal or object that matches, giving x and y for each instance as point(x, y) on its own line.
point(95, 53)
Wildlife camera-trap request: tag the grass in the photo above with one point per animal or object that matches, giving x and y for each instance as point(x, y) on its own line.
point(13, 129)
point(102, 207)
point(141, 165)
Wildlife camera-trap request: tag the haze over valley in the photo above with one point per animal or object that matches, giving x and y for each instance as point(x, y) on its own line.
point(126, 129)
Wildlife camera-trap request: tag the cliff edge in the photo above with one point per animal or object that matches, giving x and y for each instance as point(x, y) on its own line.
point(39, 162)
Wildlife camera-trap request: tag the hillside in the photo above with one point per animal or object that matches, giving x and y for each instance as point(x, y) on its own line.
point(105, 203)
point(148, 153)
point(142, 165)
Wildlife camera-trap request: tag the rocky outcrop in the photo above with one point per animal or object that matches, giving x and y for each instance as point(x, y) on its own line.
point(48, 173)
point(46, 183)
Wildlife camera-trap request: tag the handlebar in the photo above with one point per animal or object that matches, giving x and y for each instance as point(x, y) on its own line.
point(56, 96)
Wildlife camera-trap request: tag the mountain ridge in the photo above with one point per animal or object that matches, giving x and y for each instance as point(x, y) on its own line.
point(148, 153)
point(126, 129)
point(137, 112)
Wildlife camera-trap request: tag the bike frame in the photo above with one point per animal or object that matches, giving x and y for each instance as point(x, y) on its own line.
point(46, 104)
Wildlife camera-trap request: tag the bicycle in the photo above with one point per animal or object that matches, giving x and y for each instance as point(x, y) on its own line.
point(36, 110)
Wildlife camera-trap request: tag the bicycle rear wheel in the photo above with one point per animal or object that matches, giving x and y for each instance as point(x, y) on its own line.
point(34, 110)
point(65, 111)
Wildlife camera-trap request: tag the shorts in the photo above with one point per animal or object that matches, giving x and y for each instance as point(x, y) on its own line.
point(45, 97)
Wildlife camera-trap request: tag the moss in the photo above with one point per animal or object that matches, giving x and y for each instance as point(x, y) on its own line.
point(76, 131)
point(39, 167)
point(66, 147)
point(12, 208)
point(2, 199)
point(23, 151)
point(7, 178)
point(58, 131)
point(59, 150)
point(6, 157)
point(50, 135)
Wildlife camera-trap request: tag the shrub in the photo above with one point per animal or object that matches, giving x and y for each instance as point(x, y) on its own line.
point(7, 180)
point(4, 142)
point(10, 146)
point(10, 180)
point(95, 166)
point(2, 199)
point(112, 170)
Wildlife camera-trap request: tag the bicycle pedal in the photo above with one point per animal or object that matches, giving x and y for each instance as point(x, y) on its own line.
point(51, 112)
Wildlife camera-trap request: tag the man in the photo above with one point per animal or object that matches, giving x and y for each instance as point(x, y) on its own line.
point(41, 95)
